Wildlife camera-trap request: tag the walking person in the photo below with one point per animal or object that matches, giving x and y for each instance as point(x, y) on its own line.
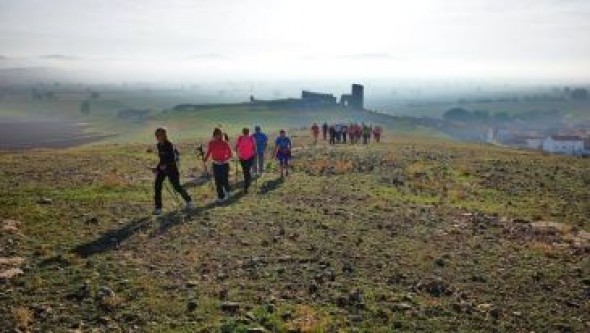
point(351, 131)
point(261, 143)
point(344, 133)
point(246, 149)
point(282, 152)
point(220, 152)
point(366, 134)
point(332, 135)
point(167, 168)
point(377, 133)
point(325, 131)
point(315, 132)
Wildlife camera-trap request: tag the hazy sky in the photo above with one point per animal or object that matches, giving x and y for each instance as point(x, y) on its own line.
point(276, 39)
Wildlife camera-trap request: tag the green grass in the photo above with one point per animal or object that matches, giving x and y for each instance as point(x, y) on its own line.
point(343, 222)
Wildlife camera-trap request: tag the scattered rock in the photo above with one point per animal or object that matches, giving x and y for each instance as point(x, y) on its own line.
point(45, 201)
point(256, 330)
point(14, 261)
point(313, 288)
point(348, 268)
point(440, 262)
point(191, 305)
point(11, 273)
point(435, 287)
point(191, 284)
point(11, 226)
point(105, 292)
point(401, 307)
point(230, 307)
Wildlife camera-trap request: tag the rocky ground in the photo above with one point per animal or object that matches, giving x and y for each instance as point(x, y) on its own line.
point(408, 235)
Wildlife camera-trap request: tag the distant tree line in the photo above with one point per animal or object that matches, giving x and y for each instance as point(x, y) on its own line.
point(458, 114)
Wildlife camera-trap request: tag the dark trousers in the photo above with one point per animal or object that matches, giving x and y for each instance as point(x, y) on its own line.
point(174, 178)
point(344, 137)
point(246, 168)
point(221, 175)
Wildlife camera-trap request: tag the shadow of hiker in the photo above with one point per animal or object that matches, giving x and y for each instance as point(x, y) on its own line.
point(167, 222)
point(270, 185)
point(111, 239)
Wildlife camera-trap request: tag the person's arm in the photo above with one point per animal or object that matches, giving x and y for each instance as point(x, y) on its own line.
point(167, 157)
point(230, 152)
point(206, 158)
point(276, 149)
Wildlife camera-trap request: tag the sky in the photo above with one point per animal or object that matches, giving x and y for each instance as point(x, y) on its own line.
point(192, 40)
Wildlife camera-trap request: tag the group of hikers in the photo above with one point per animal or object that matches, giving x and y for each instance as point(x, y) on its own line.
point(250, 150)
point(343, 133)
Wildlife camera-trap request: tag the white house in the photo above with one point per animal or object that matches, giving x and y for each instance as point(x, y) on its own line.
point(534, 142)
point(570, 145)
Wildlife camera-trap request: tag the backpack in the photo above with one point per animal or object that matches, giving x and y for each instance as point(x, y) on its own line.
point(246, 147)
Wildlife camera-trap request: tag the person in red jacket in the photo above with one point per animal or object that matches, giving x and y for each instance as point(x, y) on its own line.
point(315, 132)
point(246, 149)
point(220, 152)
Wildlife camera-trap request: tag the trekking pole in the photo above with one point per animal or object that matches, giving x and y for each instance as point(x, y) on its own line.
point(173, 194)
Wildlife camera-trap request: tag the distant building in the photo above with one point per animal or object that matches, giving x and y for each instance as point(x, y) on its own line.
point(569, 145)
point(354, 100)
point(310, 98)
point(534, 142)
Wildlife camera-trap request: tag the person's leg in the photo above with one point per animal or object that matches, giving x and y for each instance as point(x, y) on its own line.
point(160, 176)
point(255, 165)
point(218, 174)
point(246, 166)
point(174, 178)
point(261, 162)
point(225, 178)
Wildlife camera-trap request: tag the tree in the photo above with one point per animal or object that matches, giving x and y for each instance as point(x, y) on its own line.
point(457, 114)
point(579, 94)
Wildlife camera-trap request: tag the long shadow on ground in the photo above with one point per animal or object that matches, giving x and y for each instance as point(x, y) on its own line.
point(111, 239)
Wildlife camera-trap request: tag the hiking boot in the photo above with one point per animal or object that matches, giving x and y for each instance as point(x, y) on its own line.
point(157, 211)
point(190, 205)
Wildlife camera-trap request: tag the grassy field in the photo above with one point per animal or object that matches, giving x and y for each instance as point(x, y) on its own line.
point(410, 235)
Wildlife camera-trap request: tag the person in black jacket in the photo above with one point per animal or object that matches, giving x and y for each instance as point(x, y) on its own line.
point(167, 167)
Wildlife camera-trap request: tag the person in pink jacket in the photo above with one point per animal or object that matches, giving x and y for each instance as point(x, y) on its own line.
point(246, 148)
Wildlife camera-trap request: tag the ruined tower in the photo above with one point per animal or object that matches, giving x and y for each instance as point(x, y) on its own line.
point(357, 98)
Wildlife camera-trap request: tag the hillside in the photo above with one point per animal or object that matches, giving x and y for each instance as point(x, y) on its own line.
point(409, 235)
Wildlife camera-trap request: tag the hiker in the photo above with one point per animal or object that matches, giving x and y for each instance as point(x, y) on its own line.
point(283, 152)
point(220, 151)
point(246, 149)
point(366, 132)
point(261, 142)
point(224, 133)
point(315, 132)
point(351, 131)
point(167, 167)
point(377, 133)
point(332, 135)
point(325, 130)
